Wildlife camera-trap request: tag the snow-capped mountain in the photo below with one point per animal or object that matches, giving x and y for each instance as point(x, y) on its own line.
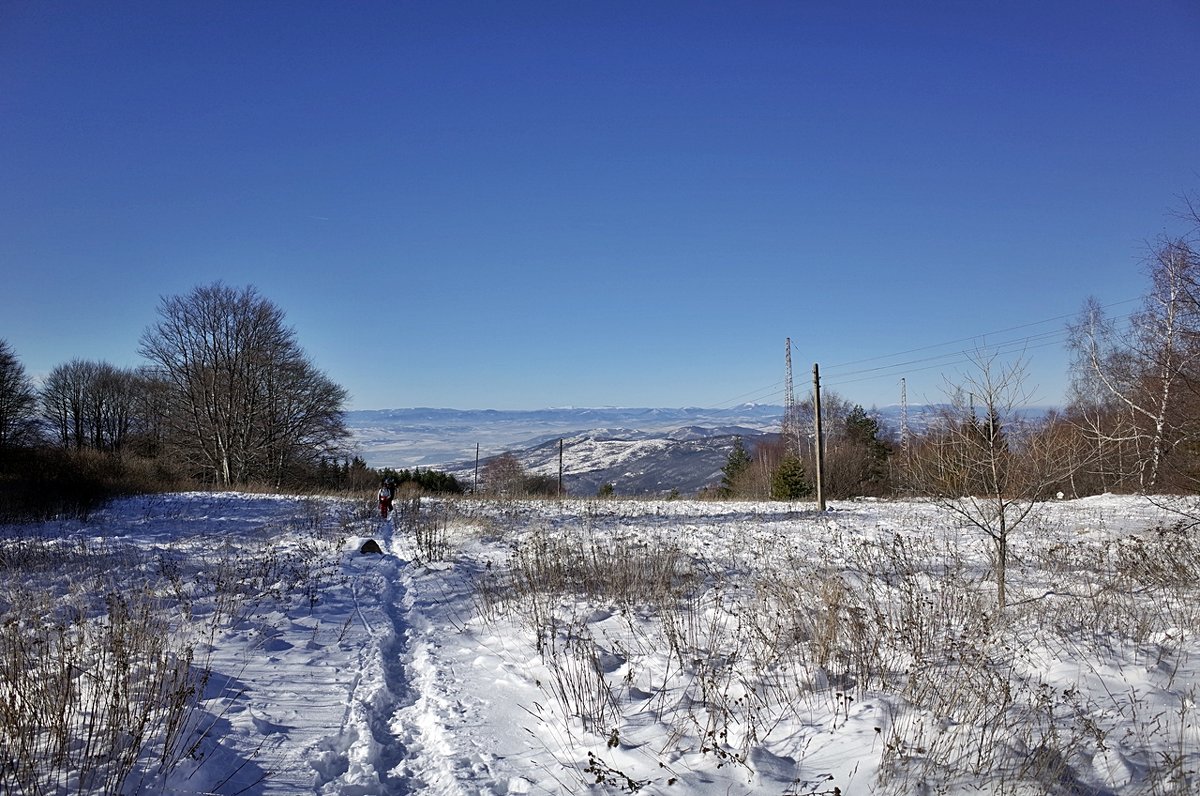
point(639, 450)
point(634, 462)
point(428, 437)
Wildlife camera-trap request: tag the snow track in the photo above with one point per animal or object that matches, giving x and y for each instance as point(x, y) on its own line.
point(391, 740)
point(328, 671)
point(366, 755)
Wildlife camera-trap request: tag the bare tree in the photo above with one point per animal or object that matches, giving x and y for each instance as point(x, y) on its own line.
point(18, 401)
point(152, 407)
point(763, 459)
point(1107, 427)
point(298, 427)
point(1145, 367)
point(245, 403)
point(1068, 435)
point(92, 404)
point(117, 398)
point(63, 401)
point(982, 462)
point(504, 476)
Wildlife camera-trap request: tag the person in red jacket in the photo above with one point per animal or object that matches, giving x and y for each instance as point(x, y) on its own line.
point(386, 493)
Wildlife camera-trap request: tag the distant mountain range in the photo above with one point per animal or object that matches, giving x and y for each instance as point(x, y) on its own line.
point(440, 437)
point(639, 451)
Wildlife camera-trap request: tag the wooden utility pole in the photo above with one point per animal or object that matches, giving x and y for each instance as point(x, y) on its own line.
point(560, 468)
point(819, 442)
point(475, 479)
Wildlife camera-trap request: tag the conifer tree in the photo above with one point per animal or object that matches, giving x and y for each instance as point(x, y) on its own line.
point(790, 481)
point(862, 432)
point(735, 466)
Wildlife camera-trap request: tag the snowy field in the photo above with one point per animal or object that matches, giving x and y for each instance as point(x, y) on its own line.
point(242, 644)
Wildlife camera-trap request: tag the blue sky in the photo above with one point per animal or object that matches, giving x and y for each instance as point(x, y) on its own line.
point(522, 205)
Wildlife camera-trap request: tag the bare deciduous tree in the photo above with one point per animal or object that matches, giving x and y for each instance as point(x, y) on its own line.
point(18, 401)
point(504, 476)
point(62, 397)
point(245, 403)
point(1142, 369)
point(983, 463)
point(93, 404)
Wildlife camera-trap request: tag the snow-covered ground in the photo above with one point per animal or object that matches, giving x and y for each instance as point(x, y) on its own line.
point(651, 646)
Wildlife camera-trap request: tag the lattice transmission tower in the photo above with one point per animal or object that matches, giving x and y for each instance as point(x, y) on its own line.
point(790, 430)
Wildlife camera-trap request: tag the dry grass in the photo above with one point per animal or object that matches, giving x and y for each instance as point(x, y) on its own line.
point(101, 690)
point(909, 618)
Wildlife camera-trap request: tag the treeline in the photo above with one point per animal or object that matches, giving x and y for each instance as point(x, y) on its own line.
point(429, 481)
point(505, 476)
point(227, 399)
point(857, 457)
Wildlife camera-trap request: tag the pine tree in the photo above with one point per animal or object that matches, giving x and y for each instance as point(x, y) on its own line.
point(790, 481)
point(862, 431)
point(735, 466)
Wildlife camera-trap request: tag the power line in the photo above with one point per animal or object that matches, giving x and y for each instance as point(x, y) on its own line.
point(1032, 341)
point(970, 338)
point(962, 356)
point(947, 359)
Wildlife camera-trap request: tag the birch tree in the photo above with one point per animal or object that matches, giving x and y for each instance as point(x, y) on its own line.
point(1144, 366)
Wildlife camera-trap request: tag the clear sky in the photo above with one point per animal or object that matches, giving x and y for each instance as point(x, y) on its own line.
point(533, 204)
